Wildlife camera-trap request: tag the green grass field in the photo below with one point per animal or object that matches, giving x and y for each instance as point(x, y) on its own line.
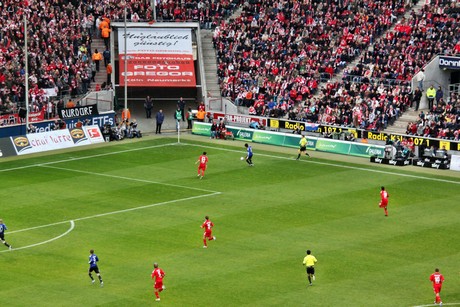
point(140, 202)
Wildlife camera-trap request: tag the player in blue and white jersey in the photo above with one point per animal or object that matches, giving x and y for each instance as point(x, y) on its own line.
point(93, 259)
point(249, 154)
point(2, 234)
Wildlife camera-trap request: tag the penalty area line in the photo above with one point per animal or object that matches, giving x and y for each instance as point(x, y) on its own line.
point(72, 222)
point(128, 178)
point(72, 226)
point(85, 157)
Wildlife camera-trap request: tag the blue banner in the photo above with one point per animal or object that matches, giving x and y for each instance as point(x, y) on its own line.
point(99, 120)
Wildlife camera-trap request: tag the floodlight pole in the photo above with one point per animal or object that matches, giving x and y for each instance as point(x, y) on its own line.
point(126, 60)
point(154, 5)
point(26, 75)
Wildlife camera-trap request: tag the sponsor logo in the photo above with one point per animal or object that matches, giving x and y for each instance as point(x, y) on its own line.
point(378, 160)
point(158, 73)
point(1, 153)
point(94, 133)
point(263, 137)
point(420, 163)
point(243, 134)
point(329, 146)
point(435, 165)
point(392, 162)
point(291, 126)
point(437, 161)
point(449, 62)
point(77, 133)
point(406, 162)
point(21, 141)
point(377, 136)
point(374, 151)
point(102, 120)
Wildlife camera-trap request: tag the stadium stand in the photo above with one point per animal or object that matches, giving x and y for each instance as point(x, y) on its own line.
point(268, 68)
point(280, 52)
point(278, 58)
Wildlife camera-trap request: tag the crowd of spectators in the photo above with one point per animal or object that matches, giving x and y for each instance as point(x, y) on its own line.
point(272, 63)
point(359, 105)
point(276, 53)
point(442, 121)
point(402, 52)
point(207, 12)
point(59, 51)
point(272, 58)
point(60, 34)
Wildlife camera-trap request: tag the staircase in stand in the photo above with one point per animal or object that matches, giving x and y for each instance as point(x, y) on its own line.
point(400, 125)
point(101, 76)
point(209, 63)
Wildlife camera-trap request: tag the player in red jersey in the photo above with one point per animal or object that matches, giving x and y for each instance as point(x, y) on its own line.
point(158, 275)
point(437, 279)
point(207, 225)
point(203, 160)
point(384, 200)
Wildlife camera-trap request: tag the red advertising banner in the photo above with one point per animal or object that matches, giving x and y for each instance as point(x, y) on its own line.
point(14, 119)
point(167, 70)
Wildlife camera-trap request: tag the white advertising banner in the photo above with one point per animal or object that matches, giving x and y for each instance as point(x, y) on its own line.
point(56, 139)
point(155, 40)
point(455, 163)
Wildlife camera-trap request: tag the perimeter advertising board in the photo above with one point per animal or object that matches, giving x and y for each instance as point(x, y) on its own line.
point(157, 57)
point(455, 163)
point(6, 148)
point(107, 118)
point(241, 134)
point(292, 140)
point(276, 123)
point(239, 118)
point(58, 139)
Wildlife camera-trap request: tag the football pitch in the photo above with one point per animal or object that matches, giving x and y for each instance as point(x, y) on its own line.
point(140, 202)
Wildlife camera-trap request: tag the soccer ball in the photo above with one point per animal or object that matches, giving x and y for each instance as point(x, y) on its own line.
point(242, 158)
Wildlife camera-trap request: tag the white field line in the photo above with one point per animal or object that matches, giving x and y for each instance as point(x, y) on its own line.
point(115, 212)
point(72, 226)
point(213, 193)
point(128, 178)
point(332, 164)
point(72, 223)
point(238, 151)
point(86, 157)
point(47, 165)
